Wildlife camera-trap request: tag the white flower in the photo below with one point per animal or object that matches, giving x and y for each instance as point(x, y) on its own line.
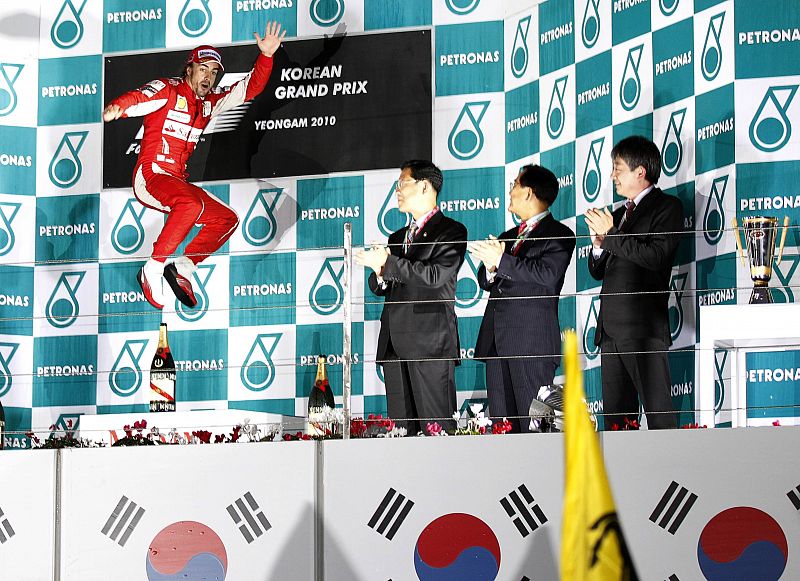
point(476, 408)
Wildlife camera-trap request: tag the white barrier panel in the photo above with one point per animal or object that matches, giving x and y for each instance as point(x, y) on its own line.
point(729, 495)
point(26, 515)
point(394, 509)
point(189, 512)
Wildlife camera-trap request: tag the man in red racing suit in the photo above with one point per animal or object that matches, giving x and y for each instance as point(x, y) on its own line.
point(176, 111)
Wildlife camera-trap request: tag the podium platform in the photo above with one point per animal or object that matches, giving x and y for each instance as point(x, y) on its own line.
point(738, 329)
point(108, 428)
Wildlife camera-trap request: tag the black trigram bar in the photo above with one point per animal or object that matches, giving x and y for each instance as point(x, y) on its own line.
point(680, 501)
point(673, 577)
point(524, 579)
point(246, 513)
point(393, 509)
point(6, 532)
point(123, 519)
point(794, 496)
point(520, 503)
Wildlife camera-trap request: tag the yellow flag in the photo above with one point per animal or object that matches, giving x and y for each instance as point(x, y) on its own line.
point(592, 544)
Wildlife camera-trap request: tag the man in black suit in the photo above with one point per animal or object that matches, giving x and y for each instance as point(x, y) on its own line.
point(418, 341)
point(633, 250)
point(520, 338)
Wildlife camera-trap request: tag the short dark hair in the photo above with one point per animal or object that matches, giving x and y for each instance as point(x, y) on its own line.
point(636, 151)
point(422, 169)
point(541, 180)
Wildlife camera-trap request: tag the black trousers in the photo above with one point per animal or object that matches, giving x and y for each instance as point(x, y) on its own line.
point(420, 389)
point(635, 370)
point(513, 383)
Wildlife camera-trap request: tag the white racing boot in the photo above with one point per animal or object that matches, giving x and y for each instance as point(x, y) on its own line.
point(179, 276)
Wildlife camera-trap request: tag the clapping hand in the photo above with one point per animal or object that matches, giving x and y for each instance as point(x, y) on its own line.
point(487, 251)
point(374, 257)
point(599, 223)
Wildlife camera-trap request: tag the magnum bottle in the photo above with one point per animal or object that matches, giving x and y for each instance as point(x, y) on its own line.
point(162, 376)
point(320, 398)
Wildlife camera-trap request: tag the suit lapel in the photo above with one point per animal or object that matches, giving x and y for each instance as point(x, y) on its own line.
point(643, 207)
point(428, 233)
point(540, 231)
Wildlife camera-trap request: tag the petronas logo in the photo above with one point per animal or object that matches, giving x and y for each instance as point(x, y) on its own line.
point(466, 138)
point(677, 287)
point(785, 271)
point(200, 279)
point(195, 18)
point(668, 7)
point(62, 308)
point(719, 383)
point(65, 168)
point(555, 112)
point(771, 129)
point(125, 377)
point(326, 12)
point(592, 178)
point(7, 351)
point(327, 294)
point(390, 219)
point(672, 148)
point(127, 236)
point(519, 53)
point(711, 57)
point(468, 292)
point(67, 29)
point(258, 370)
point(590, 29)
point(714, 214)
point(630, 89)
point(9, 73)
point(66, 423)
point(260, 224)
point(8, 211)
point(462, 7)
point(590, 330)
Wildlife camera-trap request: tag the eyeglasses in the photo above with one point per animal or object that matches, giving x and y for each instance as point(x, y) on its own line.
point(402, 183)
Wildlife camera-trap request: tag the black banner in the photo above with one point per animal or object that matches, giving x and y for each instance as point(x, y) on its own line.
point(338, 104)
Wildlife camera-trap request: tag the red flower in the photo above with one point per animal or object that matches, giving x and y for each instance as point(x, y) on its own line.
point(503, 427)
point(776, 423)
point(203, 435)
point(433, 429)
point(357, 427)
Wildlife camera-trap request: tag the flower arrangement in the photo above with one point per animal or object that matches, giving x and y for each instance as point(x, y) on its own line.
point(65, 439)
point(473, 423)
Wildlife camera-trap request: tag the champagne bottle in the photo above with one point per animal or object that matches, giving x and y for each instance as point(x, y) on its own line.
point(162, 376)
point(319, 400)
point(2, 426)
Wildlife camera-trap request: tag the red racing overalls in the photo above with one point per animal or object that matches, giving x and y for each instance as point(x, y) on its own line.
point(174, 119)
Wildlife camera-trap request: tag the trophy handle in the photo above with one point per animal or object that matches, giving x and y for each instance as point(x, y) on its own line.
point(738, 240)
point(783, 238)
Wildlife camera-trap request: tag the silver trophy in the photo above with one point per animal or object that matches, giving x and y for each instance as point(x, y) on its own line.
point(760, 233)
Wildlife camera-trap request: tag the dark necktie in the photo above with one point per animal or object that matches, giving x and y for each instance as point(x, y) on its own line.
point(410, 233)
point(630, 205)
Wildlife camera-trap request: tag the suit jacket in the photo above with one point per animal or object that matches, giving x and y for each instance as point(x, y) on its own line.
point(527, 327)
point(419, 313)
point(639, 264)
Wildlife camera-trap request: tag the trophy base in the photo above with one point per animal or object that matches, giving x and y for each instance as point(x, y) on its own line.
point(761, 296)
